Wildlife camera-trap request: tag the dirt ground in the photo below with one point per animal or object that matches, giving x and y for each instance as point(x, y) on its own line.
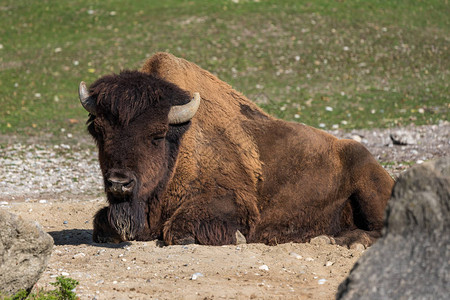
point(145, 270)
point(66, 205)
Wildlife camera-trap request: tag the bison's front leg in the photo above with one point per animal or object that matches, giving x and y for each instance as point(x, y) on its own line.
point(184, 230)
point(203, 225)
point(103, 232)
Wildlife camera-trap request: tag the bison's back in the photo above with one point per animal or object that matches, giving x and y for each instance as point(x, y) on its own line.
point(301, 173)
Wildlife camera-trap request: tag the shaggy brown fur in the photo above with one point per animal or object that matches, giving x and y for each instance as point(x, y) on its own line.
point(232, 167)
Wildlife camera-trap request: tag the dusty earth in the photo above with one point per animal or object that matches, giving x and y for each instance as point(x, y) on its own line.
point(59, 185)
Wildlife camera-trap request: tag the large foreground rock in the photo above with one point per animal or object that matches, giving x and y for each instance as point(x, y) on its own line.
point(24, 252)
point(411, 260)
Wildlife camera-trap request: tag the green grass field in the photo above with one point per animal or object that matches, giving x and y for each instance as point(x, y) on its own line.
point(326, 63)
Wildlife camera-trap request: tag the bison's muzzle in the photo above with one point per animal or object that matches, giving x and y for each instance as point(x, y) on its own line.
point(120, 183)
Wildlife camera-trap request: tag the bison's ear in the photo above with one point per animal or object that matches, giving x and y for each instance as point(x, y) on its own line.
point(87, 101)
point(183, 113)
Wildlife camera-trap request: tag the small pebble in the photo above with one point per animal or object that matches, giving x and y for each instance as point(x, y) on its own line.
point(42, 201)
point(195, 276)
point(65, 222)
point(65, 274)
point(357, 138)
point(320, 240)
point(79, 255)
point(309, 259)
point(295, 255)
point(240, 238)
point(329, 264)
point(264, 268)
point(321, 281)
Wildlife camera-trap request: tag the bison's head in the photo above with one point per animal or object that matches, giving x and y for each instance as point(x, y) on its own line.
point(137, 121)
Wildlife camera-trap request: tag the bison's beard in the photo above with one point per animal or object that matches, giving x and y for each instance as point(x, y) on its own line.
point(127, 218)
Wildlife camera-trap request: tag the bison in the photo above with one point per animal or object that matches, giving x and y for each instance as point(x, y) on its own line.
point(187, 159)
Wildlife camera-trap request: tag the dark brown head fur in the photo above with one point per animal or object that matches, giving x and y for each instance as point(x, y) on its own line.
point(137, 146)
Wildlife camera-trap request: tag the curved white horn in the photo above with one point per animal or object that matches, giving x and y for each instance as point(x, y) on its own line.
point(183, 113)
point(87, 102)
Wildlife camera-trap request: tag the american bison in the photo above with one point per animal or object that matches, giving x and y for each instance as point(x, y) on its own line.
point(187, 159)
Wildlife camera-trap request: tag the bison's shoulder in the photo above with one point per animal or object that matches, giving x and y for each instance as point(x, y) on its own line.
point(218, 97)
point(181, 72)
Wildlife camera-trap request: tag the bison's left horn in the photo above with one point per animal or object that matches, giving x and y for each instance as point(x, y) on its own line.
point(183, 113)
point(86, 100)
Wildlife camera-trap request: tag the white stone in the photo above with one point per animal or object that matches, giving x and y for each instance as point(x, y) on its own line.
point(79, 255)
point(195, 276)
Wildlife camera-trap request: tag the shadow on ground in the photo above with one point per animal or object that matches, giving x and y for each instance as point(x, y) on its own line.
point(75, 237)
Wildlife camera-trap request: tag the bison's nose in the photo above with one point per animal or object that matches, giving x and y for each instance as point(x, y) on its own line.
point(120, 184)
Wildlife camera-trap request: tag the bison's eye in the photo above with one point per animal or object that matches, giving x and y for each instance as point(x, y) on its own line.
point(157, 139)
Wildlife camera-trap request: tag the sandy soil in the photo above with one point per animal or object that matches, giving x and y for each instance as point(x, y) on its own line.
point(146, 270)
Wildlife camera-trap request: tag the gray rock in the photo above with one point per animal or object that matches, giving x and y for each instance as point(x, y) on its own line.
point(402, 137)
point(411, 260)
point(24, 253)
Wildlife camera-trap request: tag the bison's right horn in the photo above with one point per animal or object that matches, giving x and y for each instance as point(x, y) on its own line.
point(87, 101)
point(183, 113)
